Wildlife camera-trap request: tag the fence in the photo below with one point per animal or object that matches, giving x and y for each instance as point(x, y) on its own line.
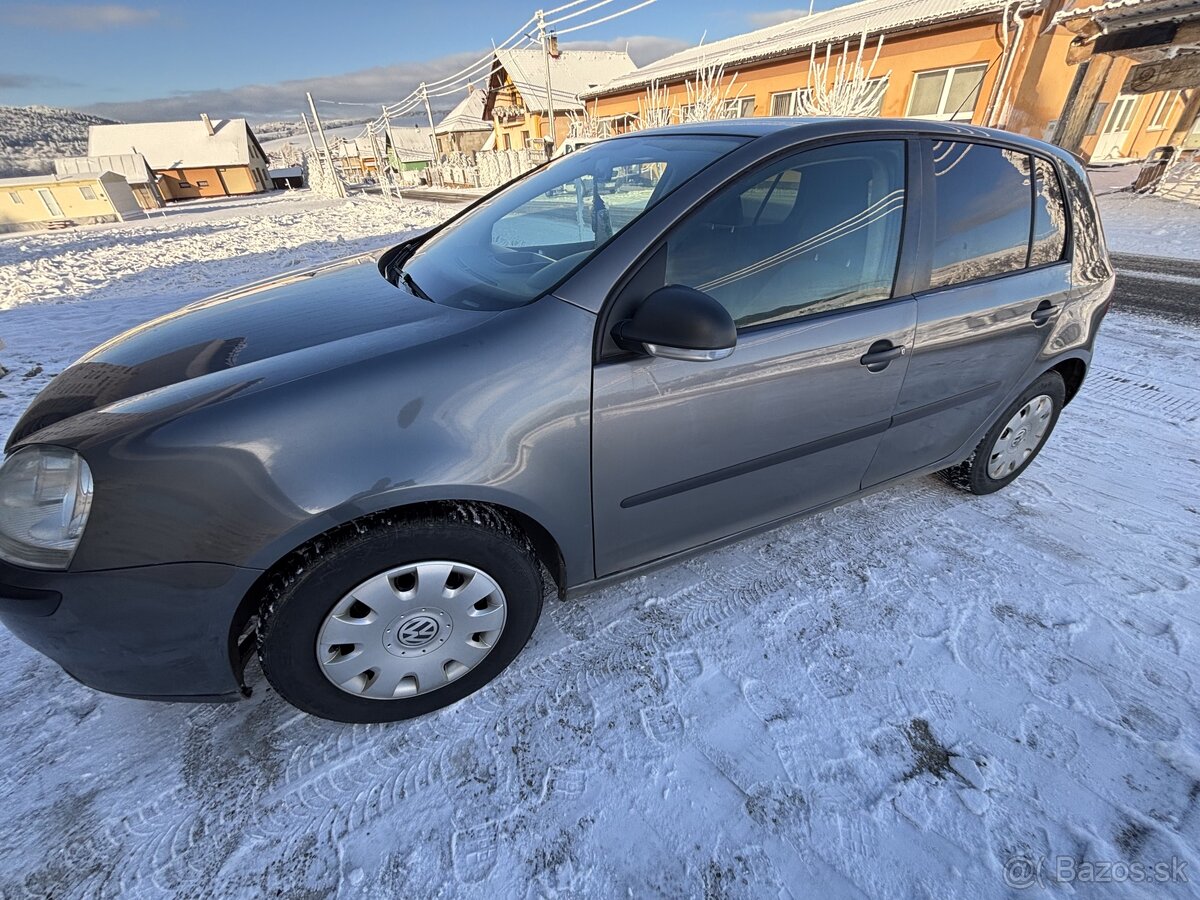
point(1181, 178)
point(483, 168)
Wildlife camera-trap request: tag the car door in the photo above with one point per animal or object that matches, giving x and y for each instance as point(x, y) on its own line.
point(989, 295)
point(803, 252)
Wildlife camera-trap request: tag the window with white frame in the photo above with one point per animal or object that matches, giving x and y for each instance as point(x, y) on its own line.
point(783, 104)
point(15, 197)
point(87, 192)
point(946, 94)
point(739, 108)
point(1162, 112)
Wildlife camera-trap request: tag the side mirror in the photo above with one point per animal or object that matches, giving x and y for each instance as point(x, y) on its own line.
point(677, 322)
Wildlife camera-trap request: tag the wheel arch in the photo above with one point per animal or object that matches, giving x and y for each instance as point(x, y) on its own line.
point(495, 515)
point(1073, 370)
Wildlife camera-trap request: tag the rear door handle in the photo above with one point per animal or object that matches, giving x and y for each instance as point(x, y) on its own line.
point(879, 354)
point(1044, 313)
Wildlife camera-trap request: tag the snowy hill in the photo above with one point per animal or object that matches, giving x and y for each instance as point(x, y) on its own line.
point(31, 137)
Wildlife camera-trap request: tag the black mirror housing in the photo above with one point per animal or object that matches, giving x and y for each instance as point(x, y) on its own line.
point(678, 322)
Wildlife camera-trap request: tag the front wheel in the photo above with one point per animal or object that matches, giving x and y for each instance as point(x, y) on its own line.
point(1014, 441)
point(396, 619)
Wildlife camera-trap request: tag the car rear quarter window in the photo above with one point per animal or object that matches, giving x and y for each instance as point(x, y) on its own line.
point(1049, 216)
point(815, 232)
point(982, 211)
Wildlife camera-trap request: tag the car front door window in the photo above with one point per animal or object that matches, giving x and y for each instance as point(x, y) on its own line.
point(816, 232)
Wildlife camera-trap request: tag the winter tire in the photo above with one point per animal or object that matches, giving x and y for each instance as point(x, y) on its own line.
point(1015, 439)
point(397, 618)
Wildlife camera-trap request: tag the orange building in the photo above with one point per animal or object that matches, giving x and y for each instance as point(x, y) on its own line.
point(198, 158)
point(996, 63)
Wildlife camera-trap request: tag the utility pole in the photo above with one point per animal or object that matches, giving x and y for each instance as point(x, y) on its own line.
point(544, 38)
point(387, 139)
point(312, 143)
point(432, 132)
point(341, 189)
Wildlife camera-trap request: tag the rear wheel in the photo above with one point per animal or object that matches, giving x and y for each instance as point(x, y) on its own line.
point(399, 619)
point(1014, 441)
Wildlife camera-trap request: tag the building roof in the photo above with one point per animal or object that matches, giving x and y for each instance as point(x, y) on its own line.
point(410, 142)
point(30, 180)
point(1116, 15)
point(177, 145)
point(874, 17)
point(131, 165)
point(572, 74)
point(467, 116)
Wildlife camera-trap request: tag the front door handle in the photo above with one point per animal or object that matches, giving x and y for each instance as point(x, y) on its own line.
point(1044, 313)
point(879, 354)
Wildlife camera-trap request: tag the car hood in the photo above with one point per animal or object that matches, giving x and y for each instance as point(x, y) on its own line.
point(273, 320)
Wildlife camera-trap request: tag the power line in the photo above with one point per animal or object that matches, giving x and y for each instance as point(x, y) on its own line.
point(615, 15)
point(578, 12)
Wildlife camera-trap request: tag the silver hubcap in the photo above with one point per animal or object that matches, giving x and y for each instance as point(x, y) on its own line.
point(1021, 437)
point(411, 630)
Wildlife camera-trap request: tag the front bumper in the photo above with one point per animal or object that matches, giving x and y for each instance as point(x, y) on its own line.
point(154, 632)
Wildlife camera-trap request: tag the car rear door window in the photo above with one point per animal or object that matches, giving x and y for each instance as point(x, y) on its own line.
point(982, 209)
point(1049, 216)
point(815, 232)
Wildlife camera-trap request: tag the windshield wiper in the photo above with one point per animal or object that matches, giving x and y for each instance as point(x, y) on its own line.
point(413, 286)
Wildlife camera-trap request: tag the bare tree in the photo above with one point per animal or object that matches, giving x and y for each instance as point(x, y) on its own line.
point(852, 91)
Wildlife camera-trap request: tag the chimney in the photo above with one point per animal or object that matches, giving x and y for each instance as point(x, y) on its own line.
point(207, 123)
point(553, 50)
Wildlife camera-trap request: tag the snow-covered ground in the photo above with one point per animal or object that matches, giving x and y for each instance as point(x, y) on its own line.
point(1140, 223)
point(909, 696)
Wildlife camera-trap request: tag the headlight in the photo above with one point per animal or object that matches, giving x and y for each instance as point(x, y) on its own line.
point(45, 496)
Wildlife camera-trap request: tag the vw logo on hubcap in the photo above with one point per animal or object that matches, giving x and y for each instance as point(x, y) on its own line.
point(417, 632)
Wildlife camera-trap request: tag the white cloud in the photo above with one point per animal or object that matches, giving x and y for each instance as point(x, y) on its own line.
point(75, 17)
point(381, 84)
point(775, 16)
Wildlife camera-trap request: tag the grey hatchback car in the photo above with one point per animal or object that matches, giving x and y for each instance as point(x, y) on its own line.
point(370, 473)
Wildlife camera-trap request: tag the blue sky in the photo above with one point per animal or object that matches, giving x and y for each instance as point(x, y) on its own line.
point(148, 60)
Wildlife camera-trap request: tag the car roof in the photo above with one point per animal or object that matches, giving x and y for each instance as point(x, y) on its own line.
point(806, 128)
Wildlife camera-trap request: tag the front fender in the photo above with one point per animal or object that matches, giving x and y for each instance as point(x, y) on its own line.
point(498, 413)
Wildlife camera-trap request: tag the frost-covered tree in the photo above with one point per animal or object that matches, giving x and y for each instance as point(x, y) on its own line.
point(655, 110)
point(316, 175)
point(849, 90)
point(707, 98)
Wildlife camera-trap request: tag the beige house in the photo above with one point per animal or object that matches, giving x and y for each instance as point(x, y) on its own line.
point(35, 202)
point(199, 158)
point(517, 101)
point(464, 129)
point(132, 166)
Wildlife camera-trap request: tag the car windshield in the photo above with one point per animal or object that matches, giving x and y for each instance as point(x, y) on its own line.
point(518, 244)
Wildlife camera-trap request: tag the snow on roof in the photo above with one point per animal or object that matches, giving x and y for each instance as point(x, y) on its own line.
point(411, 142)
point(797, 35)
point(174, 145)
point(467, 116)
point(572, 73)
point(131, 165)
point(1144, 11)
point(28, 180)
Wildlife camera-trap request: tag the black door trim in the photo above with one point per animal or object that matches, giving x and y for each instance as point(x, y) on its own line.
point(753, 465)
point(793, 453)
point(937, 406)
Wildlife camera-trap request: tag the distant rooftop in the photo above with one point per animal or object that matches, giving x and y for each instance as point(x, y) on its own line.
point(174, 145)
point(572, 74)
point(467, 116)
point(874, 17)
point(132, 165)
